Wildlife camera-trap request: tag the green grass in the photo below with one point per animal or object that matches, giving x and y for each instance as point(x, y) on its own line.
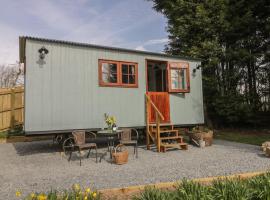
point(3, 134)
point(255, 138)
point(16, 132)
point(256, 188)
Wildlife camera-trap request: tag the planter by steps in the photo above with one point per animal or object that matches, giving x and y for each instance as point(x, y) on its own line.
point(206, 136)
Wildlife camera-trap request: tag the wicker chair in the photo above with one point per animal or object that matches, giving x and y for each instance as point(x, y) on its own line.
point(80, 144)
point(130, 136)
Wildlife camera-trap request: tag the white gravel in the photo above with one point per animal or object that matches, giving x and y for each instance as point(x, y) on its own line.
point(38, 166)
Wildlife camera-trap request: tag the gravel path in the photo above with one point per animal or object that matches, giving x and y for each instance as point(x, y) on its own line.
point(38, 166)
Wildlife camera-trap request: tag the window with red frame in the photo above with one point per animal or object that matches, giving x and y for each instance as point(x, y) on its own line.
point(118, 73)
point(178, 76)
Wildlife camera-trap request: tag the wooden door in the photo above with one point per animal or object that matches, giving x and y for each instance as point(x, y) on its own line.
point(162, 102)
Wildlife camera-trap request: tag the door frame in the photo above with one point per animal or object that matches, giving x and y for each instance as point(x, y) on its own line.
point(146, 73)
point(167, 82)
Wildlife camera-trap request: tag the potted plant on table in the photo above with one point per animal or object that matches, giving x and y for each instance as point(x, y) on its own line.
point(111, 122)
point(201, 135)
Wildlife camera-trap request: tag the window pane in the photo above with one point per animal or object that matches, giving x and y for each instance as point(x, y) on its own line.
point(178, 79)
point(183, 79)
point(131, 79)
point(125, 79)
point(175, 79)
point(105, 68)
point(174, 73)
point(113, 78)
point(174, 83)
point(105, 77)
point(113, 68)
point(109, 72)
point(131, 69)
point(124, 69)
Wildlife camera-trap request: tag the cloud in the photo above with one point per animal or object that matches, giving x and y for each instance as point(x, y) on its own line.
point(122, 23)
point(151, 42)
point(140, 48)
point(9, 44)
point(107, 27)
point(156, 41)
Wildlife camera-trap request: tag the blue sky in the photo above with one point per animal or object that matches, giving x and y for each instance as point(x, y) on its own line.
point(122, 23)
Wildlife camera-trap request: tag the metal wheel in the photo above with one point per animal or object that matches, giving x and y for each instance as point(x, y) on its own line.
point(68, 145)
point(59, 139)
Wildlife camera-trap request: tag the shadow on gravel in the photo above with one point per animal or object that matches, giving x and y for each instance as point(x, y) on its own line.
point(36, 147)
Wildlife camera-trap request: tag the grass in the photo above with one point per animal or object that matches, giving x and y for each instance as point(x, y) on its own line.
point(3, 134)
point(241, 136)
point(255, 188)
point(16, 132)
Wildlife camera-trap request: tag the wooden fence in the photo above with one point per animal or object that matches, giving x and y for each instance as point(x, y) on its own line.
point(11, 107)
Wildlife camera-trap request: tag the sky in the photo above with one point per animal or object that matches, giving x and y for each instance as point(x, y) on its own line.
point(129, 24)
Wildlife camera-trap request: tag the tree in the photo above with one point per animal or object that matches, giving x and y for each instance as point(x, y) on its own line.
point(11, 75)
point(232, 39)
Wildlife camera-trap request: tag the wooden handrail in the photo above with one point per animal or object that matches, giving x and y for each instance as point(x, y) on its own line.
point(154, 106)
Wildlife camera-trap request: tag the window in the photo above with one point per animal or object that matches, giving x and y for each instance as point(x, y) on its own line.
point(118, 73)
point(178, 76)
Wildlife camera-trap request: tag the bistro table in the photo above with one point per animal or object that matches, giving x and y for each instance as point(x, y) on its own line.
point(111, 136)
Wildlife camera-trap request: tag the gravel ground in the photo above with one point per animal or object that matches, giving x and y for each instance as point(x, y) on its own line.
point(38, 166)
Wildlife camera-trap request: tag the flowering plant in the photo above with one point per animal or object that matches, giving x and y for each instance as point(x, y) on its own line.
point(75, 193)
point(110, 120)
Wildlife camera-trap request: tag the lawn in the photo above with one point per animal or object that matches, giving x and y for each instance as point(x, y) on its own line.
point(255, 137)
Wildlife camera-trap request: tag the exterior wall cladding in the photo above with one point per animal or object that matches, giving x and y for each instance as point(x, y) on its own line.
point(64, 93)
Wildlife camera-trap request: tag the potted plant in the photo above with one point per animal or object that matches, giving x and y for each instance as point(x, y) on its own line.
point(111, 122)
point(201, 133)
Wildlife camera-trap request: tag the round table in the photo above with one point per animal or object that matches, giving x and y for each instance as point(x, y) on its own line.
point(111, 136)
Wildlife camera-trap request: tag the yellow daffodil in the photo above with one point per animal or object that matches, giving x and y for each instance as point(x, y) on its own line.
point(32, 195)
point(42, 197)
point(85, 198)
point(94, 194)
point(87, 190)
point(76, 187)
point(18, 193)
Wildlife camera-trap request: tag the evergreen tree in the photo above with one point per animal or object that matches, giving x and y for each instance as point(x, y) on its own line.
point(232, 39)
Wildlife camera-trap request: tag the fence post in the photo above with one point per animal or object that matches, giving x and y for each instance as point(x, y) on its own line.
point(12, 108)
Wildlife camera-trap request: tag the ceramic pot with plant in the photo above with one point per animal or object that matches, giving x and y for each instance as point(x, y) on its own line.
point(201, 133)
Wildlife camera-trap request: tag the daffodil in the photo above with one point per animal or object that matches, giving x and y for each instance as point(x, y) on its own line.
point(42, 197)
point(94, 194)
point(87, 190)
point(85, 198)
point(32, 195)
point(76, 187)
point(18, 193)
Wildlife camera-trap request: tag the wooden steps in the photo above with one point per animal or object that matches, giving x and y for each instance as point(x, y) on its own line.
point(165, 131)
point(164, 136)
point(171, 138)
point(165, 146)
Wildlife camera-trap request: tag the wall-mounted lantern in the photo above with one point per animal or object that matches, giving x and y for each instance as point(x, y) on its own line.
point(195, 69)
point(42, 52)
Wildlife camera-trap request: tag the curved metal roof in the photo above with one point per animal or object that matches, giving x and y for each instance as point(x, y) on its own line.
point(24, 38)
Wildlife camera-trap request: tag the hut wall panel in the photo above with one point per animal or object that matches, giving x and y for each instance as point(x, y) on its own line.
point(64, 93)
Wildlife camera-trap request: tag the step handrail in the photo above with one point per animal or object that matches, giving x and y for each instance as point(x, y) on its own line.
point(154, 106)
point(159, 117)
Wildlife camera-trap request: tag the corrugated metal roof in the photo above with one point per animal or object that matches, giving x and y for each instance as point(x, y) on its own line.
point(23, 38)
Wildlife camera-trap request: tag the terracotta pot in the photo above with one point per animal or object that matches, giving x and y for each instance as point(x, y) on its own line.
point(205, 136)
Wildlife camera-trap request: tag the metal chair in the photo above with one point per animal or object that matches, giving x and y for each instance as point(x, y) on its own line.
point(80, 144)
point(130, 136)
